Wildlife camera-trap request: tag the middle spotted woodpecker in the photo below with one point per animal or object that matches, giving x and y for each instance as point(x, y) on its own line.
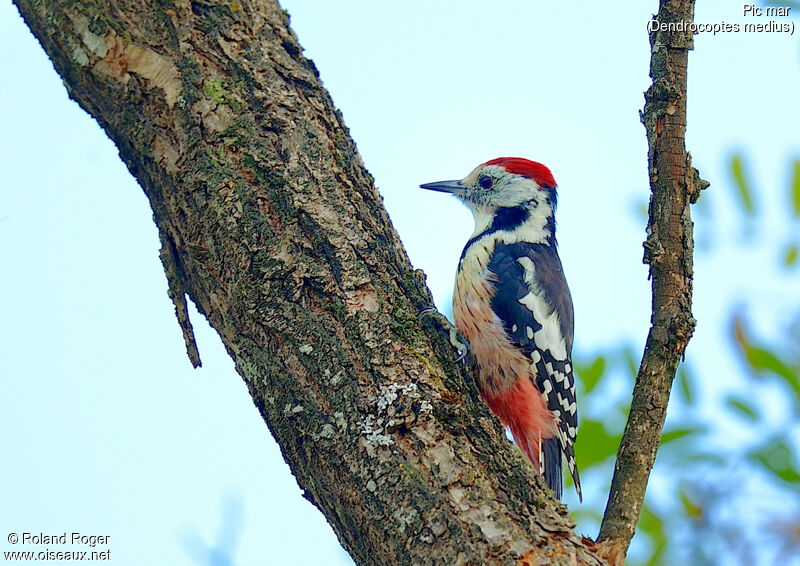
point(513, 306)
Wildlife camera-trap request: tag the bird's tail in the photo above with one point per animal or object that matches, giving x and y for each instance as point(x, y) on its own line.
point(551, 458)
point(544, 454)
point(524, 412)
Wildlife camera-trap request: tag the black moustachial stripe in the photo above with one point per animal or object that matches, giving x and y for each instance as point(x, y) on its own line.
point(504, 219)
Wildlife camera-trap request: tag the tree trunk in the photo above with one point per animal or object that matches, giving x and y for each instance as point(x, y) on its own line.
point(271, 224)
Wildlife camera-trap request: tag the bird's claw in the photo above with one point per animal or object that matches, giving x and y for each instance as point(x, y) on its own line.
point(428, 311)
point(457, 340)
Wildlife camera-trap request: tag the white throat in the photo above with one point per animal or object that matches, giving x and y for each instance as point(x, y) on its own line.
point(483, 219)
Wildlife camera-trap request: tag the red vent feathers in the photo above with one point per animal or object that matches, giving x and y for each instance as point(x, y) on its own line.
point(527, 168)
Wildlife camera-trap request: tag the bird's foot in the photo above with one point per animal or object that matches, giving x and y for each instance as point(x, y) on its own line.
point(457, 339)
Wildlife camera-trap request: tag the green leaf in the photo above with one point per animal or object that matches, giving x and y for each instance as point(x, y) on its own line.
point(590, 374)
point(690, 508)
point(795, 188)
point(623, 409)
point(631, 362)
point(762, 360)
point(742, 184)
point(743, 407)
point(791, 254)
point(777, 457)
point(641, 209)
point(678, 433)
point(595, 444)
point(653, 525)
point(685, 384)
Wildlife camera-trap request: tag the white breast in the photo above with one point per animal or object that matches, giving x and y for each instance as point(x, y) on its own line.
point(499, 362)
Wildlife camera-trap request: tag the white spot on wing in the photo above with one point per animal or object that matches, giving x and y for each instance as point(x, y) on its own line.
point(529, 332)
point(529, 267)
point(549, 336)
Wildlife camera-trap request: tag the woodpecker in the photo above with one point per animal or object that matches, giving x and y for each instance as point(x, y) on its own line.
point(513, 306)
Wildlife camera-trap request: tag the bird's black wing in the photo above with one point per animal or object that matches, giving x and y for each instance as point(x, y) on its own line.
point(533, 301)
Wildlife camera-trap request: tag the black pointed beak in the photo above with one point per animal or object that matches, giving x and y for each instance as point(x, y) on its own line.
point(452, 187)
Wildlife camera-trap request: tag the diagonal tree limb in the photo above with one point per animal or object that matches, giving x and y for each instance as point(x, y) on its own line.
point(674, 185)
point(277, 234)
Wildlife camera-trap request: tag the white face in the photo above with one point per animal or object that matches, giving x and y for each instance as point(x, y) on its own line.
point(492, 187)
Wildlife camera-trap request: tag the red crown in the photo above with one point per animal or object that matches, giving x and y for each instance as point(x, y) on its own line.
point(527, 168)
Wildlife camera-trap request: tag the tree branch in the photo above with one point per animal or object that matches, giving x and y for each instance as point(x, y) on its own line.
point(272, 226)
point(674, 184)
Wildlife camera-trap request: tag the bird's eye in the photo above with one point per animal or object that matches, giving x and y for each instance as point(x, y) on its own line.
point(485, 182)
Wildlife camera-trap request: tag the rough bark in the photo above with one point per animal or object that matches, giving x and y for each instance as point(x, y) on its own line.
point(272, 226)
point(674, 185)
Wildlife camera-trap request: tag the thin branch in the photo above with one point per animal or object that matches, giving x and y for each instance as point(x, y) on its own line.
point(674, 185)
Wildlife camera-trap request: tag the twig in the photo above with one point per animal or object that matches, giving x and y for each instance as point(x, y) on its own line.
point(175, 290)
point(674, 184)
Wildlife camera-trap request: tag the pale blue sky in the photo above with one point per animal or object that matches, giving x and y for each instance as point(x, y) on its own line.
point(104, 426)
